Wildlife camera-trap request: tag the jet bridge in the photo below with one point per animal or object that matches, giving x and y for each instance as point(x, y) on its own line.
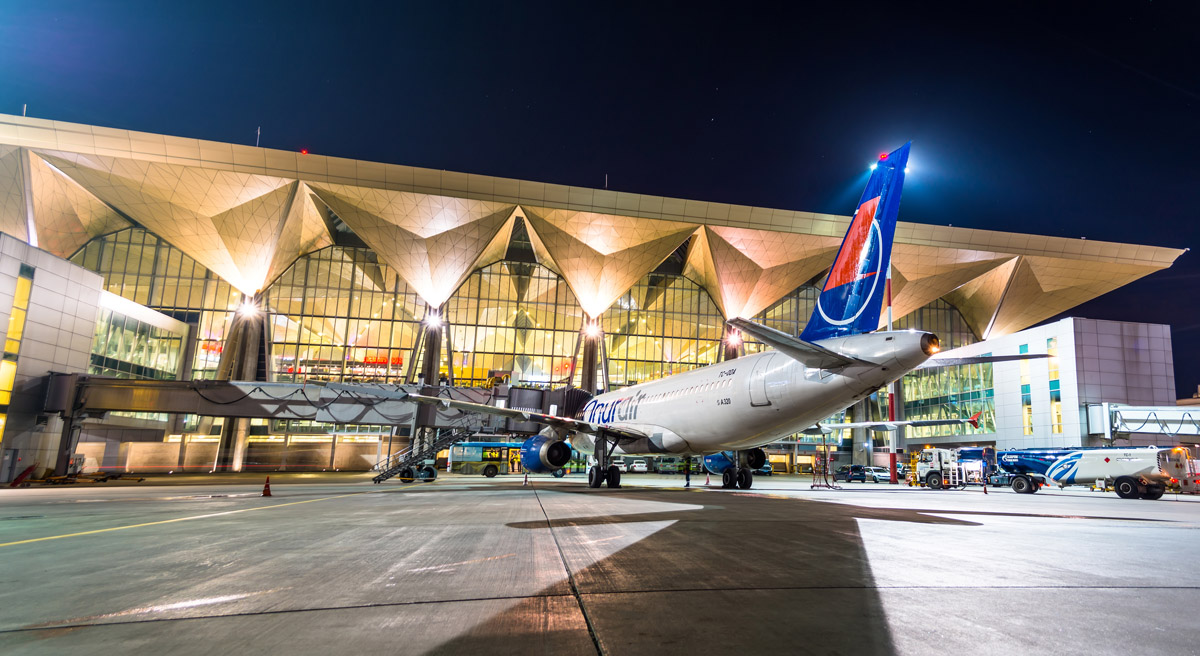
point(1114, 420)
point(75, 397)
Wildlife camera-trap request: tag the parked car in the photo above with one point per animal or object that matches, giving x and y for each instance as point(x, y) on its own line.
point(879, 474)
point(639, 467)
point(850, 473)
point(619, 463)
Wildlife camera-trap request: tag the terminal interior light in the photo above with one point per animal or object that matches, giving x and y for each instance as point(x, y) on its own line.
point(591, 329)
point(433, 320)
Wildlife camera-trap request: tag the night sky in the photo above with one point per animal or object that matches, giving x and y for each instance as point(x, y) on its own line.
point(1079, 120)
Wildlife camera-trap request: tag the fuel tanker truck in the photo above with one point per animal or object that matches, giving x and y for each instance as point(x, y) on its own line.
point(1133, 472)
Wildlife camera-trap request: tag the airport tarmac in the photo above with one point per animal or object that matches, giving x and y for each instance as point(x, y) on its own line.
point(471, 565)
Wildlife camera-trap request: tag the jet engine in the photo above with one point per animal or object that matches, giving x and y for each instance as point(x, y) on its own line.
point(542, 454)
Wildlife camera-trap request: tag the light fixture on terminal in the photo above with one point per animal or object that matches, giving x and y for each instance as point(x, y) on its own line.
point(433, 320)
point(247, 308)
point(734, 339)
point(591, 329)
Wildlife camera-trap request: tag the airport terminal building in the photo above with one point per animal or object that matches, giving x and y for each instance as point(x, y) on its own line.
point(148, 256)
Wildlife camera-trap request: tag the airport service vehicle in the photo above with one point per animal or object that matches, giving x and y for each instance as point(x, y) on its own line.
point(944, 468)
point(738, 406)
point(1134, 472)
point(486, 458)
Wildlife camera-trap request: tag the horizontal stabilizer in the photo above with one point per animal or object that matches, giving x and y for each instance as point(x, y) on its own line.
point(806, 353)
point(888, 426)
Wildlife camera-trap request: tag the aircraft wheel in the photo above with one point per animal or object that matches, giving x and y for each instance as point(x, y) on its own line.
point(745, 478)
point(490, 471)
point(729, 479)
point(934, 481)
point(1127, 487)
point(614, 477)
point(595, 477)
point(1154, 491)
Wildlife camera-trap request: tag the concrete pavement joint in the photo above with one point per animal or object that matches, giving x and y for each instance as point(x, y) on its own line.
point(570, 577)
point(185, 519)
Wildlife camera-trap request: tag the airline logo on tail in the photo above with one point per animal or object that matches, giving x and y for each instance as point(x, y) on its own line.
point(852, 298)
point(856, 269)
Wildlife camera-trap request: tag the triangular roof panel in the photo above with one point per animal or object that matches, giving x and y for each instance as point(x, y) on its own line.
point(602, 255)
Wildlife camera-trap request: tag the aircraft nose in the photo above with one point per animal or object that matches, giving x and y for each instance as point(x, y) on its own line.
point(930, 344)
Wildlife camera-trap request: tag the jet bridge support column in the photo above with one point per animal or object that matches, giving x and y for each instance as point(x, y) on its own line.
point(239, 361)
point(589, 361)
point(861, 445)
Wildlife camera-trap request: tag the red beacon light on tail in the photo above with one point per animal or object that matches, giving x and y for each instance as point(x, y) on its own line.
point(882, 156)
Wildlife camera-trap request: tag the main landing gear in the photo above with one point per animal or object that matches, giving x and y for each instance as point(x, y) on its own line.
point(741, 476)
point(602, 472)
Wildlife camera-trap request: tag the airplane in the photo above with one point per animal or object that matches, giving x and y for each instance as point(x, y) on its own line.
point(743, 404)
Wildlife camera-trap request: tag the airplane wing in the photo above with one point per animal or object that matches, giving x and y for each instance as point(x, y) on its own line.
point(480, 408)
point(807, 353)
point(825, 429)
point(935, 362)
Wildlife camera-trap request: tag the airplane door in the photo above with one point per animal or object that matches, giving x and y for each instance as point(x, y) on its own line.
point(758, 381)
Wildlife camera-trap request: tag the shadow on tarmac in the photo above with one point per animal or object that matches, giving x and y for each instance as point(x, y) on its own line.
point(747, 572)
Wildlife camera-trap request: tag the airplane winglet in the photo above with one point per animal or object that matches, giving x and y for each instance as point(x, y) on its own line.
point(974, 420)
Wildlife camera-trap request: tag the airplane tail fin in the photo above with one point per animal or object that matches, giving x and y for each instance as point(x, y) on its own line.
point(853, 295)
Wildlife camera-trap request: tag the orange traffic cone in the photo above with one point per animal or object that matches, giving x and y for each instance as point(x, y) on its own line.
point(707, 478)
point(526, 481)
point(267, 487)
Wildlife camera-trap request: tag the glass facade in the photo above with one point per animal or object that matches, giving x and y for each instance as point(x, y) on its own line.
point(124, 347)
point(950, 393)
point(141, 267)
point(513, 318)
point(12, 342)
point(664, 325)
point(341, 315)
point(1026, 394)
point(1056, 415)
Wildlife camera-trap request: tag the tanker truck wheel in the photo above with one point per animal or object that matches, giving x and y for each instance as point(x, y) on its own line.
point(1154, 491)
point(1022, 485)
point(1127, 487)
point(934, 481)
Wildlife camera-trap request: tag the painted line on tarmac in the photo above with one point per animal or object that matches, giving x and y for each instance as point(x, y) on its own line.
point(185, 519)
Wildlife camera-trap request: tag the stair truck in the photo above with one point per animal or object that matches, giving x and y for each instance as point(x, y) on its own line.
point(1133, 472)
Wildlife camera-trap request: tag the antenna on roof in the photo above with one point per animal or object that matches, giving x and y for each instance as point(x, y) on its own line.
point(257, 135)
point(606, 181)
point(24, 106)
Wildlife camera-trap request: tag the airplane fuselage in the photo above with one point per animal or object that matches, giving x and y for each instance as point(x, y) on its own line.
point(752, 400)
